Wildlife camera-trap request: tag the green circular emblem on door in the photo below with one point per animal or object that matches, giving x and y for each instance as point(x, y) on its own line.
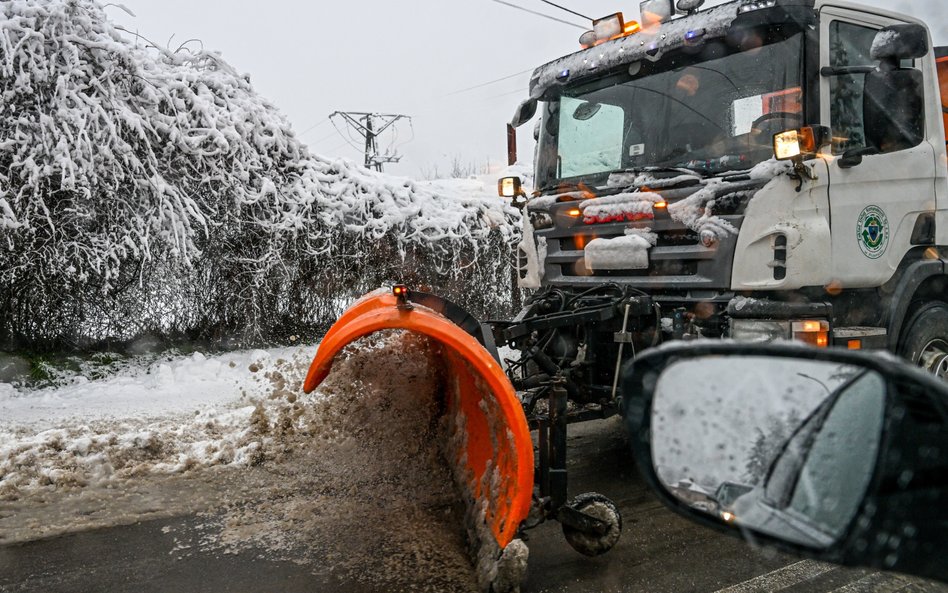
point(872, 232)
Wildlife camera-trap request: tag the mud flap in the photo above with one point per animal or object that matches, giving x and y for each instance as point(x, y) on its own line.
point(492, 446)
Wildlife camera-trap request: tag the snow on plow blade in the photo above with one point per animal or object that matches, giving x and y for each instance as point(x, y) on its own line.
point(495, 453)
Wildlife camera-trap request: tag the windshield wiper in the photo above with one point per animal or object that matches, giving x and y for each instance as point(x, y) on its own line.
point(664, 169)
point(681, 171)
point(560, 187)
point(567, 187)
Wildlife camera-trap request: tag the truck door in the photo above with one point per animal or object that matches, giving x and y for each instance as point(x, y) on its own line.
point(876, 204)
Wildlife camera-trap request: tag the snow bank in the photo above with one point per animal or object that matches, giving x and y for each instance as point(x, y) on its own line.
point(351, 479)
point(374, 205)
point(172, 416)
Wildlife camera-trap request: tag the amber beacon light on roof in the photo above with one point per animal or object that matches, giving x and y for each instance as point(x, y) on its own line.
point(654, 12)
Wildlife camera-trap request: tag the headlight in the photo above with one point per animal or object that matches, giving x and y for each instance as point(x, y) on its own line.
point(814, 332)
point(755, 330)
point(811, 331)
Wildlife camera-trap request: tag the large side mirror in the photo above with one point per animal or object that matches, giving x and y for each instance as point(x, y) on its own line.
point(894, 98)
point(833, 455)
point(525, 112)
point(894, 109)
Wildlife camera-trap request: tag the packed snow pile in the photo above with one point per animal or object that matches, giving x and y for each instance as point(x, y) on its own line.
point(351, 479)
point(172, 416)
point(157, 191)
point(629, 252)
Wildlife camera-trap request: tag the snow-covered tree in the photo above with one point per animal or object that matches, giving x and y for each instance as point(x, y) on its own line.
point(149, 190)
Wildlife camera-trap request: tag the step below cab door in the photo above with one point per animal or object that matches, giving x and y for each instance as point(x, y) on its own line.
point(876, 200)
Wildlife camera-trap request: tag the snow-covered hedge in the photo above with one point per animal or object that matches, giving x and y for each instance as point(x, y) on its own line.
point(150, 191)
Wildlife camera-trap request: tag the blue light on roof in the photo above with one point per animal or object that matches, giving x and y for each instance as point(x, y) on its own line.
point(692, 35)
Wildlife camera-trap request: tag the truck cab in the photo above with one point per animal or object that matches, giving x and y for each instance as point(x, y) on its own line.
point(662, 212)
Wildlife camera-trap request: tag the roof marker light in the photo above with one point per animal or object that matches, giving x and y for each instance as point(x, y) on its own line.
point(689, 6)
point(758, 5)
point(656, 12)
point(695, 34)
point(563, 75)
point(609, 26)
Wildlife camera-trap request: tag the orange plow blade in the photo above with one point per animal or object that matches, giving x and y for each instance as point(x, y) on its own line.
point(491, 438)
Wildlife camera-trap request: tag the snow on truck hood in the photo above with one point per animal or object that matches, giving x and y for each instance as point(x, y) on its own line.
point(692, 205)
point(648, 44)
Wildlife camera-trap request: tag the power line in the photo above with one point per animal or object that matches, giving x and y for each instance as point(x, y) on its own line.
point(314, 126)
point(540, 14)
point(343, 145)
point(567, 10)
point(516, 92)
point(348, 141)
point(483, 84)
point(324, 138)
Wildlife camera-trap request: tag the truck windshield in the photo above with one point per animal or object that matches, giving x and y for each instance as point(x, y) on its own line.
point(711, 109)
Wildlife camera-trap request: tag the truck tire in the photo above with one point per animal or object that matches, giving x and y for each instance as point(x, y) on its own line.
point(925, 340)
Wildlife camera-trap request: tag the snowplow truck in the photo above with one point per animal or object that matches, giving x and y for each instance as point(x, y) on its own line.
point(759, 170)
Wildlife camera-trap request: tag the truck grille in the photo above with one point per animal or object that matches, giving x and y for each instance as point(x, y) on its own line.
point(678, 260)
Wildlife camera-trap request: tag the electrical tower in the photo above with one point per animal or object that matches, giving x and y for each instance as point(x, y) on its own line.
point(370, 126)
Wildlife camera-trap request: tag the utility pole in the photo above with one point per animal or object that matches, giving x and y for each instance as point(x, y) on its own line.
point(370, 126)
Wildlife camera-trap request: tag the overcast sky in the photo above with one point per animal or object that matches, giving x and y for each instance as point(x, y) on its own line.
point(410, 57)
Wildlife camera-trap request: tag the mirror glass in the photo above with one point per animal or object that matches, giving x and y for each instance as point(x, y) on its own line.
point(783, 446)
point(586, 110)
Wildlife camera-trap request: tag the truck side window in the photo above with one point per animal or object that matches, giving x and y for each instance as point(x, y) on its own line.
point(849, 46)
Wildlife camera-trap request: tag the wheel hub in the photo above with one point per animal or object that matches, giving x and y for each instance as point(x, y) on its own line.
point(934, 358)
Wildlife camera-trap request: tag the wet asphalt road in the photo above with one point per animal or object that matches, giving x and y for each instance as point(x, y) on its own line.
point(658, 552)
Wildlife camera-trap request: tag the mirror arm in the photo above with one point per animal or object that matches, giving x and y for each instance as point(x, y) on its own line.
point(852, 158)
point(828, 71)
point(801, 173)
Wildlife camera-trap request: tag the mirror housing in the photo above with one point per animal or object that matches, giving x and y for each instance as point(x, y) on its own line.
point(900, 42)
point(894, 109)
point(525, 112)
point(899, 523)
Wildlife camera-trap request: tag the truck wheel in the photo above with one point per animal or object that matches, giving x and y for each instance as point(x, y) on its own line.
point(925, 341)
point(599, 507)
